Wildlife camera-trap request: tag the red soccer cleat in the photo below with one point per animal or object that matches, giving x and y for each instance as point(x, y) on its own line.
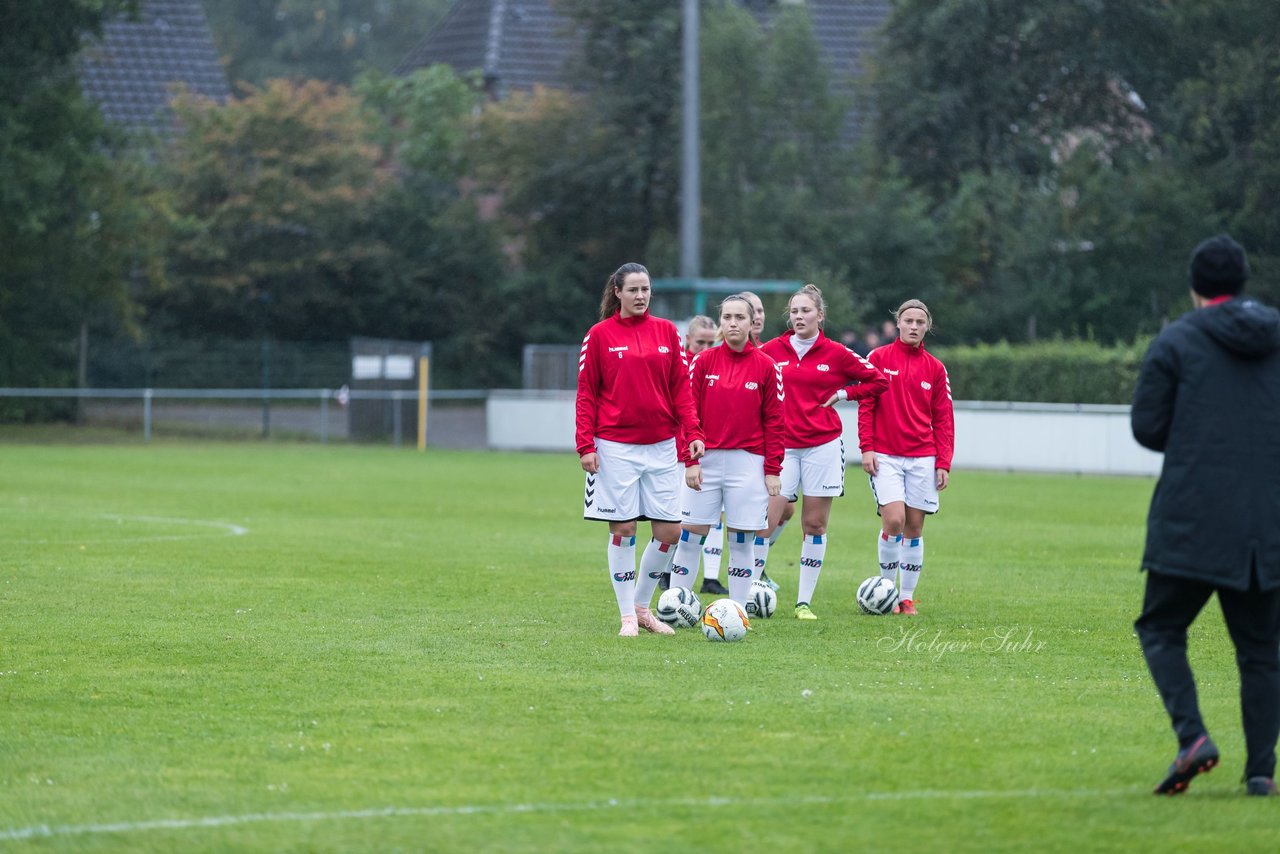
point(906, 606)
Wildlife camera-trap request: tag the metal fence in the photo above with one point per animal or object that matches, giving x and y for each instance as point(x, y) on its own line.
point(268, 405)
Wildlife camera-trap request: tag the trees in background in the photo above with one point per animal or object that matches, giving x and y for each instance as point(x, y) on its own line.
point(1032, 170)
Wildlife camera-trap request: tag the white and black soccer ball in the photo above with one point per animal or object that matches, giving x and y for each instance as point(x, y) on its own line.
point(724, 620)
point(877, 595)
point(761, 600)
point(679, 607)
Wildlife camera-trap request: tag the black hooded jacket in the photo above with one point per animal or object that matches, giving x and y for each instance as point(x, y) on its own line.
point(1208, 397)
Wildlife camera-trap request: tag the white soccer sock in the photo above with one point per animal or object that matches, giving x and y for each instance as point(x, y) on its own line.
point(712, 550)
point(741, 565)
point(888, 549)
point(684, 568)
point(910, 565)
point(622, 572)
point(654, 563)
point(813, 549)
point(762, 555)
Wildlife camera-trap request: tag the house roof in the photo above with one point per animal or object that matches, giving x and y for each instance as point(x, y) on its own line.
point(132, 70)
point(519, 43)
point(514, 43)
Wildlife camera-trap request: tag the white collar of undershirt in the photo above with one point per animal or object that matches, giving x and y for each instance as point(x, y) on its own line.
point(802, 345)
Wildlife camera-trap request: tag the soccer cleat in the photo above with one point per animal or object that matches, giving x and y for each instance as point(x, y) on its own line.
point(1198, 758)
point(650, 623)
point(664, 582)
point(906, 606)
point(629, 628)
point(897, 607)
point(714, 587)
point(1261, 786)
point(764, 576)
point(803, 612)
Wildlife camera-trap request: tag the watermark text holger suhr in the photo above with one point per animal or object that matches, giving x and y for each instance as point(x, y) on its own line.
point(1002, 640)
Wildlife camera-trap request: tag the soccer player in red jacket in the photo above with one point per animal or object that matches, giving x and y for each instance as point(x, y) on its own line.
point(907, 436)
point(737, 391)
point(816, 373)
point(633, 401)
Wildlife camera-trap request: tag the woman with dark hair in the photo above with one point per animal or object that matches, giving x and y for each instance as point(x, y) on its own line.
point(817, 372)
point(907, 436)
point(633, 402)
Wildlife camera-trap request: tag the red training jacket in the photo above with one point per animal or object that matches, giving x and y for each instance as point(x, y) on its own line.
point(914, 418)
point(738, 397)
point(827, 367)
point(633, 384)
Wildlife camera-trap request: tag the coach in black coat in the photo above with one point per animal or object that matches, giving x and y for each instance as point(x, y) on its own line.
point(1208, 397)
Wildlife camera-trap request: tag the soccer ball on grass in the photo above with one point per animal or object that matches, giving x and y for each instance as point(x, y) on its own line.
point(877, 595)
point(724, 620)
point(761, 601)
point(679, 607)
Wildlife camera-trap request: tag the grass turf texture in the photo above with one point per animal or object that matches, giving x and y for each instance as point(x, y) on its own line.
point(434, 635)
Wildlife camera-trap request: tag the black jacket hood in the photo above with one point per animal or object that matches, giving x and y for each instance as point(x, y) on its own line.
point(1243, 326)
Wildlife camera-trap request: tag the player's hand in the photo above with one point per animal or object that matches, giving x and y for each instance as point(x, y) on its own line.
point(696, 449)
point(773, 484)
point(591, 463)
point(693, 477)
point(831, 401)
point(943, 477)
point(869, 464)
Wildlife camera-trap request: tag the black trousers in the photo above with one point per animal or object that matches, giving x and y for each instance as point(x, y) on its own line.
point(1170, 606)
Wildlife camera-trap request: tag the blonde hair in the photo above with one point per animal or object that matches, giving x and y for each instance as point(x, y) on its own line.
point(811, 291)
point(914, 303)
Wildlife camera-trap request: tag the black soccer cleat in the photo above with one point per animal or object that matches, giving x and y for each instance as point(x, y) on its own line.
point(1261, 786)
point(1200, 757)
point(714, 587)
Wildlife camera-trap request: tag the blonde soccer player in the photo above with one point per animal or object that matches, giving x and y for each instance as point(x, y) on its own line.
point(738, 395)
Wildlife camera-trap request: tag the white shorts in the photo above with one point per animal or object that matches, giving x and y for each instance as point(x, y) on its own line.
point(817, 471)
point(635, 482)
point(908, 479)
point(733, 479)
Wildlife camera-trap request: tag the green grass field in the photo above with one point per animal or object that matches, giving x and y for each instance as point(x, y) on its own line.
point(288, 647)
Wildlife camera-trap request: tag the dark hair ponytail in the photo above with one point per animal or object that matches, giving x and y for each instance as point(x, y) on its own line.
point(609, 303)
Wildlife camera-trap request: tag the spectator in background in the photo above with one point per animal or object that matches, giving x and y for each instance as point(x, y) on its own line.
point(1208, 398)
point(850, 339)
point(633, 403)
point(700, 335)
point(888, 330)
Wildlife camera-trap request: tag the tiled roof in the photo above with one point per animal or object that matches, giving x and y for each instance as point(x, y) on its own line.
point(132, 70)
point(517, 43)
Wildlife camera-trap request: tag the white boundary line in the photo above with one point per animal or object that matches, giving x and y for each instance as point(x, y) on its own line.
point(224, 529)
point(44, 831)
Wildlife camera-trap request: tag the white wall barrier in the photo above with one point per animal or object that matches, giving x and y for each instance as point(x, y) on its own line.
point(1040, 437)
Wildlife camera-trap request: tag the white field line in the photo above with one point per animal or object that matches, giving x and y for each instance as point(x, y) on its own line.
point(221, 529)
point(44, 831)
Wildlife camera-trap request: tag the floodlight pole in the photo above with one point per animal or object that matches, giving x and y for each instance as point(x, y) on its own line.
point(690, 179)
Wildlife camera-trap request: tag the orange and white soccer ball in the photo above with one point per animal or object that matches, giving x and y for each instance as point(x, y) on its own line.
point(724, 620)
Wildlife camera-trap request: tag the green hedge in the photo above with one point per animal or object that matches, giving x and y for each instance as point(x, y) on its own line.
point(1045, 372)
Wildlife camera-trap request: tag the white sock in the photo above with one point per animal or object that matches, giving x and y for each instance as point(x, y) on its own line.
point(762, 555)
point(910, 564)
point(741, 565)
point(622, 572)
point(711, 552)
point(888, 548)
point(684, 568)
point(813, 549)
point(654, 563)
